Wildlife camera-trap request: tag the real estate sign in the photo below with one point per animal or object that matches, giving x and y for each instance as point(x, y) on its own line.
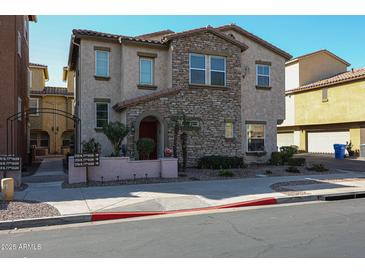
point(86, 160)
point(9, 163)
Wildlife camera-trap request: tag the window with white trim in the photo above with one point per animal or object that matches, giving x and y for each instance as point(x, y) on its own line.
point(19, 44)
point(145, 71)
point(255, 137)
point(228, 130)
point(101, 63)
point(102, 114)
point(262, 75)
point(33, 106)
point(207, 69)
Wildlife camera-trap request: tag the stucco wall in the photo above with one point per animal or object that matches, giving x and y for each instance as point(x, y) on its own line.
point(292, 76)
point(38, 79)
point(319, 66)
point(345, 104)
point(90, 88)
point(262, 105)
point(130, 70)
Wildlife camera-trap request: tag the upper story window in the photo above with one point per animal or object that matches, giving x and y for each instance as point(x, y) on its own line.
point(324, 95)
point(101, 63)
point(207, 70)
point(20, 108)
point(146, 71)
point(19, 44)
point(228, 133)
point(33, 106)
point(262, 75)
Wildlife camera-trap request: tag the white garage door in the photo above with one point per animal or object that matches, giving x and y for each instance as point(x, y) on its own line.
point(285, 139)
point(322, 142)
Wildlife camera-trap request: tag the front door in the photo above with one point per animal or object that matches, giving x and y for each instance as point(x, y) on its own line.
point(148, 129)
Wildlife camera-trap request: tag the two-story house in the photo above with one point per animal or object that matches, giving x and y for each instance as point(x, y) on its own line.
point(50, 133)
point(227, 81)
point(324, 103)
point(14, 82)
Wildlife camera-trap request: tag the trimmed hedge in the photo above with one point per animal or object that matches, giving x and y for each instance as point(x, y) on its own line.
point(296, 161)
point(220, 162)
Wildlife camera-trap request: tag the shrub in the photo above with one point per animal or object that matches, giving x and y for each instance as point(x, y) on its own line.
point(220, 162)
point(226, 173)
point(145, 147)
point(296, 161)
point(317, 168)
point(115, 132)
point(276, 159)
point(268, 172)
point(91, 146)
point(291, 150)
point(293, 169)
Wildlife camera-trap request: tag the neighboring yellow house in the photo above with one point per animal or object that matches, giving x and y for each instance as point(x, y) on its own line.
point(50, 133)
point(325, 103)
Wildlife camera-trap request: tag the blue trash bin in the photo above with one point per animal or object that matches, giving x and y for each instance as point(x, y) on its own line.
point(339, 151)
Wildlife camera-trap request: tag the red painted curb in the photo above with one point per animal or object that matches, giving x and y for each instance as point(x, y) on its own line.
point(102, 216)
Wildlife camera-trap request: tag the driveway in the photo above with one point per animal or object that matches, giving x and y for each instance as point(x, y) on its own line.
point(329, 161)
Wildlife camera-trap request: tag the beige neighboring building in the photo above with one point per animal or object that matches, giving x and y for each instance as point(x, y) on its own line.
point(324, 103)
point(50, 133)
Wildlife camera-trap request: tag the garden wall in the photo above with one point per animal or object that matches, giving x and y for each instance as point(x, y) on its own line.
point(122, 168)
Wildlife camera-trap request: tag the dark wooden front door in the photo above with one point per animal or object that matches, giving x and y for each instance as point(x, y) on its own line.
point(148, 129)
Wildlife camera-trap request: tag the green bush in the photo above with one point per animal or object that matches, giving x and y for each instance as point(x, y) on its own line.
point(290, 150)
point(91, 146)
point(115, 132)
point(293, 169)
point(318, 168)
point(220, 162)
point(145, 146)
point(276, 159)
point(296, 161)
point(226, 173)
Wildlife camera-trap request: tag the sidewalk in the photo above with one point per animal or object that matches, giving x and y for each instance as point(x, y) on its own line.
point(188, 195)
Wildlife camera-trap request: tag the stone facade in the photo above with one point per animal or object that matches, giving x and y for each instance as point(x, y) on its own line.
point(211, 107)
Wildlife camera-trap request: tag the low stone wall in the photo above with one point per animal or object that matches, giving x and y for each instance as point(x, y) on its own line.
point(122, 168)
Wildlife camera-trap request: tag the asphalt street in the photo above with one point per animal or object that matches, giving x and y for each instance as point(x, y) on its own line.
point(322, 229)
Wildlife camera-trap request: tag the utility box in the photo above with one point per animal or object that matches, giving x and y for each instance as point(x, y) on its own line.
point(7, 188)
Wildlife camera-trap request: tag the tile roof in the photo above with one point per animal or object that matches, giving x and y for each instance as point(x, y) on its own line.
point(344, 77)
point(147, 35)
point(51, 91)
point(37, 65)
point(256, 39)
point(131, 102)
point(112, 36)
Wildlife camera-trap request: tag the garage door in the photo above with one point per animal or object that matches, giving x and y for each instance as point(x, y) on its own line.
point(285, 139)
point(322, 142)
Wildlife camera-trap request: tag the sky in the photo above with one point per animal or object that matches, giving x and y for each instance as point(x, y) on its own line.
point(297, 35)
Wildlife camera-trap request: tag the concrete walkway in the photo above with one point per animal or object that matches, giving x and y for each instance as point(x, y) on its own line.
point(187, 195)
point(49, 172)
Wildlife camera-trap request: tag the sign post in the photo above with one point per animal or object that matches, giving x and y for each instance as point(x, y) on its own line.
point(9, 163)
point(86, 160)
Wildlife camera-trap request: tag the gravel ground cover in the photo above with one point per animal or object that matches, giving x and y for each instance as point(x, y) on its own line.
point(25, 209)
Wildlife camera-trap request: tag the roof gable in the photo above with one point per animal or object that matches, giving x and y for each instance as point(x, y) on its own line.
point(321, 51)
point(256, 39)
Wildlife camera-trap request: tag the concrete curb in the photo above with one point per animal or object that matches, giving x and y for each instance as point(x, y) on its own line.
point(46, 221)
point(102, 216)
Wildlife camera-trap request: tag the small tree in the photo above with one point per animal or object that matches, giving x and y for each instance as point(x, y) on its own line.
point(115, 132)
point(145, 147)
point(91, 146)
